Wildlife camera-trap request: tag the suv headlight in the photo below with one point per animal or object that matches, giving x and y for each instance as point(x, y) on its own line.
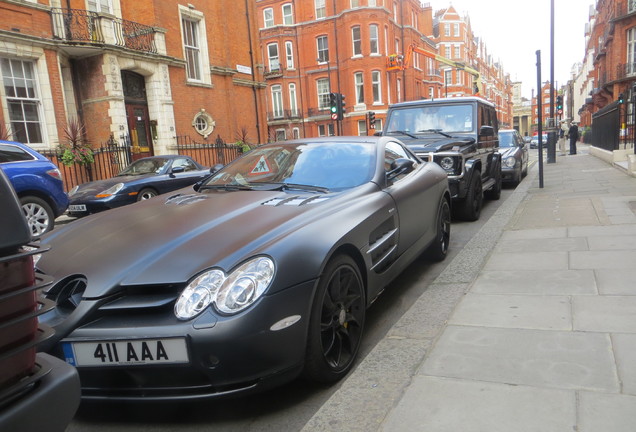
point(447, 163)
point(510, 162)
point(229, 294)
point(450, 164)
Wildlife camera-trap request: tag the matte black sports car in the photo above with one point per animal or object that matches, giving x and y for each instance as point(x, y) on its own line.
point(257, 274)
point(143, 179)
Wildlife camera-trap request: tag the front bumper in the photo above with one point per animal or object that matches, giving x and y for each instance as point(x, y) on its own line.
point(50, 402)
point(99, 205)
point(227, 355)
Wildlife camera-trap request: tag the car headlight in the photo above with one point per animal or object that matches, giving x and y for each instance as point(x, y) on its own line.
point(447, 163)
point(110, 191)
point(73, 191)
point(229, 294)
point(510, 162)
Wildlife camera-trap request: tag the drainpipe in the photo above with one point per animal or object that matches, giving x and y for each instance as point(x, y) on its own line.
point(254, 91)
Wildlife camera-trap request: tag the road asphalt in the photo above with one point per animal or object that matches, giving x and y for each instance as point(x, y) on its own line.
point(540, 328)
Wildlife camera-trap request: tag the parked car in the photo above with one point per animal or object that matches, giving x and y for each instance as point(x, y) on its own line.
point(143, 179)
point(534, 142)
point(38, 184)
point(249, 278)
point(514, 156)
point(38, 392)
point(459, 134)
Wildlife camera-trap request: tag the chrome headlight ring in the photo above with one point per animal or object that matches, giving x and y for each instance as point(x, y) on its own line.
point(229, 294)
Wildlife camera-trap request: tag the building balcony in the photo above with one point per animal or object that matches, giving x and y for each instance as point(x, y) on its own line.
point(625, 10)
point(283, 115)
point(625, 71)
point(82, 28)
point(273, 72)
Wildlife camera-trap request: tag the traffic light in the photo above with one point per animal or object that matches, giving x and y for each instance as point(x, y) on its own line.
point(559, 102)
point(341, 105)
point(621, 98)
point(333, 105)
point(371, 115)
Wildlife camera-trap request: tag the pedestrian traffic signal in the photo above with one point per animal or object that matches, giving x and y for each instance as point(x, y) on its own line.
point(333, 105)
point(559, 102)
point(371, 116)
point(621, 98)
point(341, 106)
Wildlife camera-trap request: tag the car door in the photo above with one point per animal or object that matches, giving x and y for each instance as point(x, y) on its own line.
point(523, 148)
point(181, 173)
point(413, 203)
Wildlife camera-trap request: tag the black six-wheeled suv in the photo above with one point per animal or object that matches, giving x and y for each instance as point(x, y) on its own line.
point(459, 134)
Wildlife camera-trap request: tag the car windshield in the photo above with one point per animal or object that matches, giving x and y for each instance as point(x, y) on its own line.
point(321, 166)
point(145, 166)
point(506, 140)
point(432, 118)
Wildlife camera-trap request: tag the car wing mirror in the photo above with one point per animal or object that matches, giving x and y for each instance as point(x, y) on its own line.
point(487, 131)
point(177, 170)
point(400, 166)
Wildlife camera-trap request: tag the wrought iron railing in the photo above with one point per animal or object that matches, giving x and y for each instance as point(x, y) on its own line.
point(86, 27)
point(283, 115)
point(625, 70)
point(209, 154)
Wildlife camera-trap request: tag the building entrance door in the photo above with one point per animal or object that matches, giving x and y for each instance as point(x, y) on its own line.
point(137, 114)
point(139, 127)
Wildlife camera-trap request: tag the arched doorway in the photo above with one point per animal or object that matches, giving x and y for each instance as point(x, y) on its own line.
point(134, 86)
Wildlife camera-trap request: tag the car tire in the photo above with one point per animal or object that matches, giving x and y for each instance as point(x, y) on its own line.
point(39, 215)
point(494, 193)
point(469, 209)
point(146, 193)
point(438, 250)
point(336, 323)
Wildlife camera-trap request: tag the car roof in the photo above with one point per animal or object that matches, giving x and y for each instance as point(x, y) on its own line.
point(443, 101)
point(26, 148)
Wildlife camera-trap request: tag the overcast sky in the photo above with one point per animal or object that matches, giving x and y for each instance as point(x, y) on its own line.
point(514, 30)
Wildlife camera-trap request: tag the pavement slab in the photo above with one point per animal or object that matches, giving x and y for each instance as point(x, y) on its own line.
point(553, 359)
point(625, 351)
point(605, 314)
point(544, 282)
point(434, 404)
point(606, 412)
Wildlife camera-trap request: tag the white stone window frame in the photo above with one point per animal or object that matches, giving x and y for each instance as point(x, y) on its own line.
point(273, 58)
point(37, 99)
point(358, 79)
point(356, 44)
point(376, 85)
point(324, 52)
point(204, 56)
point(374, 40)
point(320, 8)
point(289, 55)
point(288, 14)
point(203, 123)
point(268, 18)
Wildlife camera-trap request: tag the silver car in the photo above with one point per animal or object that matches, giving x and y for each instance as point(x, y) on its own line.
point(514, 156)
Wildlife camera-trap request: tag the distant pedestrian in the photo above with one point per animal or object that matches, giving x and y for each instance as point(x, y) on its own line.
point(573, 135)
point(562, 131)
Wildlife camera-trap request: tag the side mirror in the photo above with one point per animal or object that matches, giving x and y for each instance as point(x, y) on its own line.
point(177, 170)
point(486, 131)
point(400, 166)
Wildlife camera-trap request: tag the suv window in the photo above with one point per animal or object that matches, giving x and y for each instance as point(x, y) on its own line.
point(447, 118)
point(9, 153)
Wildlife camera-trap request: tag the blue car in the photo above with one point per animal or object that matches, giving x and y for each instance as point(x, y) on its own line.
point(38, 184)
point(141, 180)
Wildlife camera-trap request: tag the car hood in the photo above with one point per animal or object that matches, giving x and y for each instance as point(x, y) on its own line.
point(167, 240)
point(93, 188)
point(432, 143)
point(507, 151)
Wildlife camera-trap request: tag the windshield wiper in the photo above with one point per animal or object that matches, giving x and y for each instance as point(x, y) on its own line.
point(228, 187)
point(403, 133)
point(438, 131)
point(289, 186)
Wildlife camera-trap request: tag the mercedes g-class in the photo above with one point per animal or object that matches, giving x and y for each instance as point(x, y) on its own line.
point(459, 134)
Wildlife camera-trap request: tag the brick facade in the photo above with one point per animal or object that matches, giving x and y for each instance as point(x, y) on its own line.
point(80, 57)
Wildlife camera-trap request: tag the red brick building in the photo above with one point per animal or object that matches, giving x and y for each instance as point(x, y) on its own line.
point(317, 47)
point(147, 71)
point(612, 48)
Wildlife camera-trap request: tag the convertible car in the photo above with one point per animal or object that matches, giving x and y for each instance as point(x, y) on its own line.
point(143, 179)
point(244, 281)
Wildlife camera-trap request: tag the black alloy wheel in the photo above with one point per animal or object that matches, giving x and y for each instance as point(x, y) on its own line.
point(438, 250)
point(337, 321)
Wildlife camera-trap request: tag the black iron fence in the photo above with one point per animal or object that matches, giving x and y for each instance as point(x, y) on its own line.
point(606, 125)
point(208, 154)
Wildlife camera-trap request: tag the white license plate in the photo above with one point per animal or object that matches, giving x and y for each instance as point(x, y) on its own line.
point(126, 352)
point(77, 207)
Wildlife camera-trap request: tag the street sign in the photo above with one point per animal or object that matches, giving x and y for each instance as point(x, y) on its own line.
point(334, 116)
